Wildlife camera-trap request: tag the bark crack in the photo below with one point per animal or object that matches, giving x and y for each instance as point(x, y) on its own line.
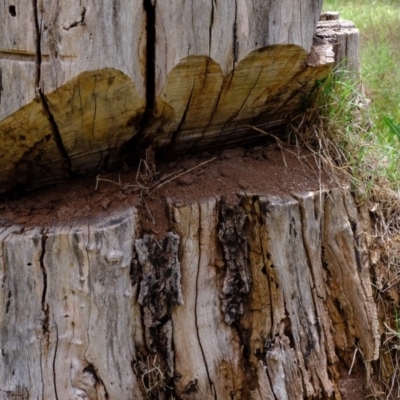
point(213, 5)
point(237, 280)
point(265, 257)
point(46, 309)
point(1, 83)
point(235, 39)
point(195, 313)
point(56, 133)
point(54, 362)
point(150, 10)
point(182, 121)
point(45, 306)
point(136, 142)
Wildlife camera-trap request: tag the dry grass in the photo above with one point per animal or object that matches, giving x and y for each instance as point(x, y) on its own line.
point(154, 378)
point(147, 181)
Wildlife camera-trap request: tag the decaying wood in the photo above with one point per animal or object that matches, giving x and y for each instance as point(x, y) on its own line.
point(259, 299)
point(83, 84)
point(71, 292)
point(345, 38)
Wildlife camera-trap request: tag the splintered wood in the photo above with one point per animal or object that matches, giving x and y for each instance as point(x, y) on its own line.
point(259, 299)
point(83, 84)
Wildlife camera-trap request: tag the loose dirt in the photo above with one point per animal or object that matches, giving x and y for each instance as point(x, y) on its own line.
point(258, 170)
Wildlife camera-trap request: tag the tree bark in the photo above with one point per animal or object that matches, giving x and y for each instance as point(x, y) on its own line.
point(259, 299)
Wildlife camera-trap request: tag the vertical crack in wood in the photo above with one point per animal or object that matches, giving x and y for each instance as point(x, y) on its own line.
point(150, 79)
point(91, 368)
point(38, 60)
point(182, 121)
point(235, 39)
point(56, 132)
point(213, 5)
point(138, 142)
point(210, 381)
point(214, 111)
point(45, 306)
point(1, 83)
point(231, 118)
point(54, 361)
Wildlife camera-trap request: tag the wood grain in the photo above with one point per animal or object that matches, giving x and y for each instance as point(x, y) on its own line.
point(87, 84)
point(17, 56)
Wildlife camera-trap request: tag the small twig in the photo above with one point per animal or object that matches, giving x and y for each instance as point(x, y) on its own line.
point(163, 178)
point(157, 186)
point(157, 377)
point(219, 179)
point(138, 170)
point(354, 359)
point(159, 245)
point(148, 210)
point(98, 179)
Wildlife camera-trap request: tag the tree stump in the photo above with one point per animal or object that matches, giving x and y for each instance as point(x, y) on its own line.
point(261, 297)
point(251, 292)
point(83, 86)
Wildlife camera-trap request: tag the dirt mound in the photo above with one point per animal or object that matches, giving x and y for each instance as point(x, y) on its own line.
point(258, 170)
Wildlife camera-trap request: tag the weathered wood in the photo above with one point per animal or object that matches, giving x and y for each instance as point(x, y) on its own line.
point(259, 299)
point(83, 82)
point(238, 58)
point(346, 40)
point(17, 56)
point(69, 307)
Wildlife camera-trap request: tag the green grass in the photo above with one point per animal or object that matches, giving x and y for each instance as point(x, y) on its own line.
point(379, 25)
point(372, 152)
point(369, 153)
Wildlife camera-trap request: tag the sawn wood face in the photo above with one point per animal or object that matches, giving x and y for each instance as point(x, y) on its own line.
point(82, 86)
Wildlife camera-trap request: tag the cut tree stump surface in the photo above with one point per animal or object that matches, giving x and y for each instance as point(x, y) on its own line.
point(82, 85)
point(252, 280)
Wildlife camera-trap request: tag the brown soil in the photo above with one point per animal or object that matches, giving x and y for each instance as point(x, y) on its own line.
point(353, 386)
point(259, 170)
